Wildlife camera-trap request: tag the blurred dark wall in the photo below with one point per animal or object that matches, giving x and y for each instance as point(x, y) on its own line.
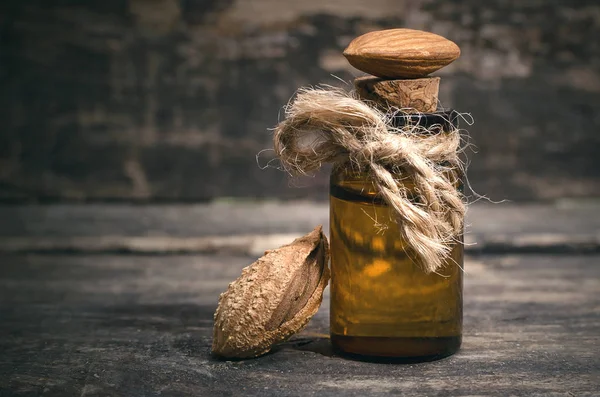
point(171, 99)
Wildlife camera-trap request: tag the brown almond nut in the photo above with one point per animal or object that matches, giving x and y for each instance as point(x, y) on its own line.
point(400, 53)
point(273, 299)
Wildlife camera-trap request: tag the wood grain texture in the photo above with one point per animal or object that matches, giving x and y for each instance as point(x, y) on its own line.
point(142, 326)
point(416, 95)
point(123, 115)
point(400, 53)
point(562, 227)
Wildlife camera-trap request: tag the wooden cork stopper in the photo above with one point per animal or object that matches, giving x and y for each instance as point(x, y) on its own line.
point(416, 95)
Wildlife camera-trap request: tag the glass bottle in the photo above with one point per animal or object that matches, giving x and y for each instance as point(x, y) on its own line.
point(382, 302)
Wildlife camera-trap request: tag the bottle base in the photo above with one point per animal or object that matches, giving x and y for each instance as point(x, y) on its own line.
point(396, 348)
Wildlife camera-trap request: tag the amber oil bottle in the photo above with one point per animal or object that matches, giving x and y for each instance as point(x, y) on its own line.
point(383, 304)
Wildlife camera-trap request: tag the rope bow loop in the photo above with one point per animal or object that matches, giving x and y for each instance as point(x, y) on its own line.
point(331, 126)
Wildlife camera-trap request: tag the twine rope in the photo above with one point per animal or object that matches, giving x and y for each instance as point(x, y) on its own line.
point(329, 125)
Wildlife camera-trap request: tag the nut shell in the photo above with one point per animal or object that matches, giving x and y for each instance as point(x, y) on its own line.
point(401, 53)
point(273, 299)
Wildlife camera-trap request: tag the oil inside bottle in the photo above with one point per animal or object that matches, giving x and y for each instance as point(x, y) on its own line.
point(382, 302)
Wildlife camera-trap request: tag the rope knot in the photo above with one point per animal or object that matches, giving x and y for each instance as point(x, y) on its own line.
point(331, 126)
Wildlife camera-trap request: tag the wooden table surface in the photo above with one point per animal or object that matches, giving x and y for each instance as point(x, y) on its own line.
point(141, 325)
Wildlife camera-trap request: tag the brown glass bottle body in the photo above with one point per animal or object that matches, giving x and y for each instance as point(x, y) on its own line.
point(382, 303)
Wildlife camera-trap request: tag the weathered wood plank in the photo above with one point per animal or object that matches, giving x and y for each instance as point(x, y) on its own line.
point(171, 99)
point(131, 325)
point(250, 228)
point(268, 217)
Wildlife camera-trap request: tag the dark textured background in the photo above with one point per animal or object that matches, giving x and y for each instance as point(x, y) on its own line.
point(171, 99)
